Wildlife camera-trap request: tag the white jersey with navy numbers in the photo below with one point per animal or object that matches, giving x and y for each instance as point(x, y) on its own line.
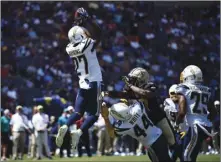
point(86, 62)
point(139, 126)
point(197, 97)
point(171, 110)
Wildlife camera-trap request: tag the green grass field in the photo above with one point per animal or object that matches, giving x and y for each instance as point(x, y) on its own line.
point(203, 158)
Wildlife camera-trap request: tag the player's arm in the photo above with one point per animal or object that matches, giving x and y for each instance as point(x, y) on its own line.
point(182, 109)
point(46, 100)
point(142, 93)
point(105, 114)
point(123, 94)
point(82, 18)
point(95, 30)
point(147, 91)
point(130, 94)
point(181, 90)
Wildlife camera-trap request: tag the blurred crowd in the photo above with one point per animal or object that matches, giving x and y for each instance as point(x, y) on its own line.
point(161, 39)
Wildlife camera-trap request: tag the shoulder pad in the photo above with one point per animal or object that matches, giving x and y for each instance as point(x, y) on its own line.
point(183, 86)
point(181, 89)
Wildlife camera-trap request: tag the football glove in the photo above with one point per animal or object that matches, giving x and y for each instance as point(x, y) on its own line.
point(81, 15)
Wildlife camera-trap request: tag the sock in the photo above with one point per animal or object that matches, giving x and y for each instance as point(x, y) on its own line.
point(73, 118)
point(90, 120)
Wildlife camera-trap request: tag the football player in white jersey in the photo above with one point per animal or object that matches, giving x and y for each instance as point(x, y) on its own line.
point(138, 86)
point(133, 120)
point(171, 109)
point(80, 49)
point(170, 105)
point(194, 103)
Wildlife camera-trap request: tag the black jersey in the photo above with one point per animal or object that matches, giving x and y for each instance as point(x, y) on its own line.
point(154, 111)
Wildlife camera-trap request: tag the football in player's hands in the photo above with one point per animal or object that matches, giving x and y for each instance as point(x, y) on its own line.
point(81, 12)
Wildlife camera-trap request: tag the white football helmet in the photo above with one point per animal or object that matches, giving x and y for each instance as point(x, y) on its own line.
point(172, 89)
point(120, 111)
point(172, 92)
point(139, 76)
point(192, 74)
point(76, 34)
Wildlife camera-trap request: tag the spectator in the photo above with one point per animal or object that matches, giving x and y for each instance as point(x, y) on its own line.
point(32, 139)
point(70, 110)
point(5, 133)
point(84, 139)
point(104, 145)
point(40, 122)
point(19, 123)
point(53, 129)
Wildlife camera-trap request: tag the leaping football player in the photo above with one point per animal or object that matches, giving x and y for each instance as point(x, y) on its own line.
point(81, 50)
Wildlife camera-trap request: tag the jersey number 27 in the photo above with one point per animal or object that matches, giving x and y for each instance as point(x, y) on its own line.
point(78, 60)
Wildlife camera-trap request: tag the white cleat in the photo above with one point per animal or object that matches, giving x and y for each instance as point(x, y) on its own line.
point(60, 136)
point(75, 137)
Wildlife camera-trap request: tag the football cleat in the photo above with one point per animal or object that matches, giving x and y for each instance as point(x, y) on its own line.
point(60, 136)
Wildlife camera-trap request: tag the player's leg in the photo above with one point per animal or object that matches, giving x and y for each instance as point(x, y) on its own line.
point(79, 107)
point(158, 117)
point(78, 113)
point(176, 150)
point(192, 146)
point(92, 107)
point(159, 150)
point(79, 147)
point(167, 130)
point(86, 139)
